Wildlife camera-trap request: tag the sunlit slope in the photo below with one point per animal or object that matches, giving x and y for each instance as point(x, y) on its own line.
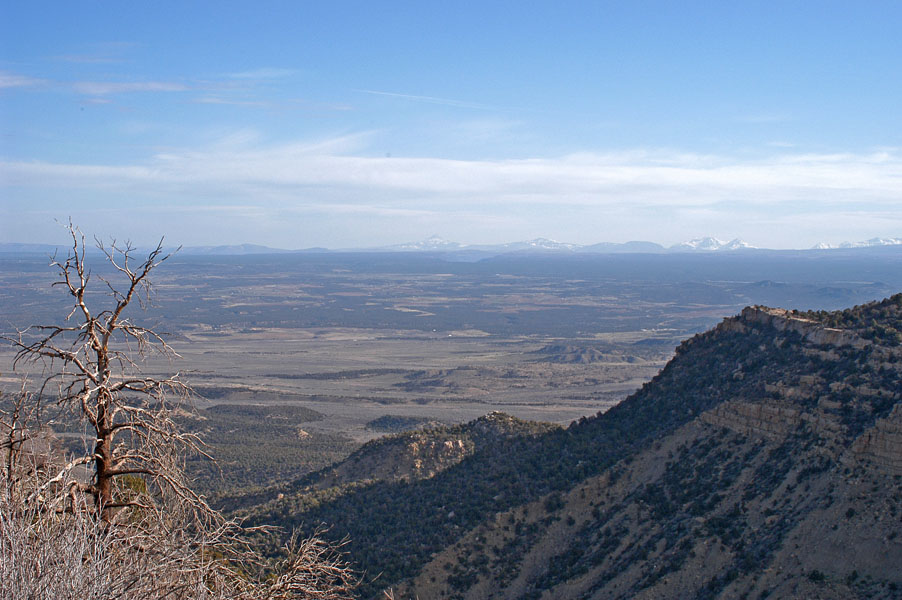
point(791, 486)
point(759, 436)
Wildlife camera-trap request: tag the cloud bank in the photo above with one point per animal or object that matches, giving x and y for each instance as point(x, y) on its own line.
point(333, 185)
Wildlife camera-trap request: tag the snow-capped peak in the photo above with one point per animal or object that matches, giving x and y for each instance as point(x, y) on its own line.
point(705, 243)
point(546, 244)
point(431, 243)
point(877, 241)
point(737, 244)
point(871, 243)
point(711, 244)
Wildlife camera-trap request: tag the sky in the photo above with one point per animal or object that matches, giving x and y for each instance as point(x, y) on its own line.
point(355, 124)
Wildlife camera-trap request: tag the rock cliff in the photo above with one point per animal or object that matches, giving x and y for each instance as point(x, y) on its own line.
point(786, 482)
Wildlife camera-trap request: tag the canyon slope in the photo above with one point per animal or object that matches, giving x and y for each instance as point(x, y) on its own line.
point(765, 460)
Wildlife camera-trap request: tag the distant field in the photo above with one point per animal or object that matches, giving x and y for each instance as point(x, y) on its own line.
point(357, 337)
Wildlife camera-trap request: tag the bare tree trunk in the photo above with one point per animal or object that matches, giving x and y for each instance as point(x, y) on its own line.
point(103, 464)
point(160, 538)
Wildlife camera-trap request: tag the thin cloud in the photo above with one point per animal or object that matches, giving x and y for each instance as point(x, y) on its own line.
point(292, 105)
point(649, 193)
point(104, 88)
point(377, 210)
point(430, 100)
point(13, 80)
point(579, 179)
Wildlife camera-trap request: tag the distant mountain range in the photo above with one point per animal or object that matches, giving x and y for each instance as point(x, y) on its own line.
point(871, 243)
point(700, 245)
point(710, 244)
point(436, 244)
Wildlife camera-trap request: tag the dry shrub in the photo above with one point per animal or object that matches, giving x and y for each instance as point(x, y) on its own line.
point(121, 521)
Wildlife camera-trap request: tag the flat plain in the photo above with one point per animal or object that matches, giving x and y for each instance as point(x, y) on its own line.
point(352, 338)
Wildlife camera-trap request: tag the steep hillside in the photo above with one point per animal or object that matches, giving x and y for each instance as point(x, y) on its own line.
point(422, 454)
point(792, 487)
point(764, 438)
point(401, 457)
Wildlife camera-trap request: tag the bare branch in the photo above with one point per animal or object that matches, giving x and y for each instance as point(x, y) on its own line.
point(121, 520)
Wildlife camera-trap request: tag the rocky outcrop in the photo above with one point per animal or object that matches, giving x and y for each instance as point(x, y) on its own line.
point(407, 456)
point(773, 420)
point(786, 320)
point(881, 446)
point(784, 409)
point(422, 454)
point(786, 484)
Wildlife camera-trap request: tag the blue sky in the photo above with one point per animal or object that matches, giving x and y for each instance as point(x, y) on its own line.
point(348, 124)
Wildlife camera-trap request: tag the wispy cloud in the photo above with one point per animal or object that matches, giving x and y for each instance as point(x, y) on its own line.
point(284, 105)
point(430, 99)
point(693, 179)
point(104, 88)
point(640, 191)
point(13, 80)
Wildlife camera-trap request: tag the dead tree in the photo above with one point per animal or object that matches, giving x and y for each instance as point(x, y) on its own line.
point(134, 528)
point(91, 363)
point(20, 430)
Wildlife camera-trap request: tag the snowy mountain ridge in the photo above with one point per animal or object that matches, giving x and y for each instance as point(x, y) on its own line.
point(705, 244)
point(711, 244)
point(437, 244)
point(871, 243)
